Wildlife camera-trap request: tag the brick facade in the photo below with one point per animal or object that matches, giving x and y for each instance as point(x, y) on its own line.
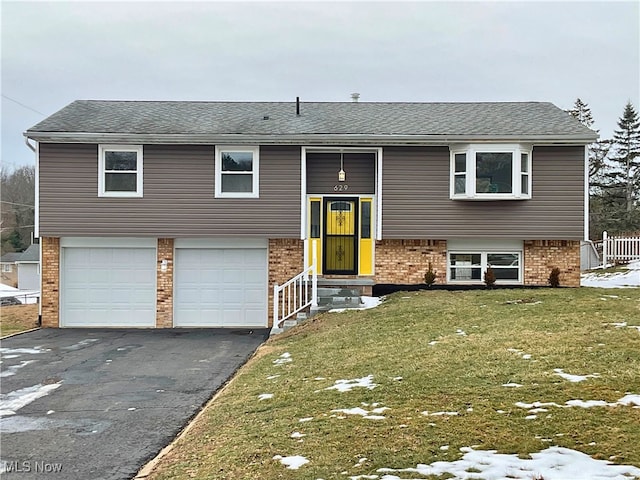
point(540, 256)
point(286, 260)
point(406, 261)
point(50, 295)
point(164, 289)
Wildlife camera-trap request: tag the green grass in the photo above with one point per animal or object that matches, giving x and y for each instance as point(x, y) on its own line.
point(238, 435)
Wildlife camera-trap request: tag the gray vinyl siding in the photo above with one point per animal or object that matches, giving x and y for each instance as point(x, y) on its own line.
point(178, 195)
point(323, 168)
point(416, 200)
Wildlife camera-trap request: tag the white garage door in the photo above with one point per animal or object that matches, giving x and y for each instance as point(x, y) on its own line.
point(108, 287)
point(220, 287)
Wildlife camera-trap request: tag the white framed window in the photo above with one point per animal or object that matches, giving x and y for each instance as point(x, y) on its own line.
point(7, 268)
point(120, 171)
point(470, 266)
point(237, 172)
point(490, 172)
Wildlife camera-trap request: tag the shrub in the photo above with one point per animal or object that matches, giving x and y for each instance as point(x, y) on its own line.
point(430, 276)
point(554, 277)
point(489, 277)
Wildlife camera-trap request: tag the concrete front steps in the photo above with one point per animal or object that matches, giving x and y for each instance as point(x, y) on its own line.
point(335, 293)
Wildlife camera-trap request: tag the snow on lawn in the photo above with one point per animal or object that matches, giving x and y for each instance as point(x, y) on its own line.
point(554, 463)
point(293, 463)
point(537, 407)
point(631, 278)
point(364, 413)
point(348, 385)
point(520, 353)
point(265, 396)
point(574, 378)
point(365, 302)
point(282, 359)
point(11, 402)
point(623, 325)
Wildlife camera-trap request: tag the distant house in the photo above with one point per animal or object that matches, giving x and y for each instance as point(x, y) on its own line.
point(8, 270)
point(185, 214)
point(28, 266)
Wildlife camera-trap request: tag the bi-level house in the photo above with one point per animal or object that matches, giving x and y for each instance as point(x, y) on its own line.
point(183, 214)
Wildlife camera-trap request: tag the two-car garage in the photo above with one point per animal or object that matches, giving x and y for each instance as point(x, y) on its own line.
point(113, 282)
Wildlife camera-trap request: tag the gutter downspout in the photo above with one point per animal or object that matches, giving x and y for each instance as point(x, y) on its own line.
point(36, 217)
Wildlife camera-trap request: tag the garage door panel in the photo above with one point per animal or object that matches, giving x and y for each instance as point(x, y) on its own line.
point(220, 287)
point(108, 287)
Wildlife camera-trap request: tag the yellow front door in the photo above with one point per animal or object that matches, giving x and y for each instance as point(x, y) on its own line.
point(340, 249)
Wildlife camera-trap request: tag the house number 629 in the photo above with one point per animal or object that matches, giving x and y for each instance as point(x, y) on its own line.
point(340, 187)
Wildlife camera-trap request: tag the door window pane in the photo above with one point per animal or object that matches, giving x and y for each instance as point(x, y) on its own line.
point(315, 219)
point(366, 220)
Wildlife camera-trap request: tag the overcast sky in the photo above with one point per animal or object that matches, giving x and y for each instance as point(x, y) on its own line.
point(56, 52)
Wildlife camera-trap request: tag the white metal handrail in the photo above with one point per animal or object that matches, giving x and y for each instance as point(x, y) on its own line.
point(296, 294)
point(619, 249)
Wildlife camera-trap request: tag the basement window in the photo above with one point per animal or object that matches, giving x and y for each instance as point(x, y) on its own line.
point(490, 172)
point(469, 267)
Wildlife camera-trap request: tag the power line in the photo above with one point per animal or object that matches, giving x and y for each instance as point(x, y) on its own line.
point(23, 105)
point(19, 204)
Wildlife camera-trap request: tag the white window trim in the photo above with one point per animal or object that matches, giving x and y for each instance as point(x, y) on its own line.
point(470, 151)
point(483, 266)
point(7, 268)
point(139, 170)
point(255, 151)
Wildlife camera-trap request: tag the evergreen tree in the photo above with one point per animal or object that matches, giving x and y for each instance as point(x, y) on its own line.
point(624, 174)
point(598, 151)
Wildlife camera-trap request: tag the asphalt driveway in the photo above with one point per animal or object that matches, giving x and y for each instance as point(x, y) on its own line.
point(99, 403)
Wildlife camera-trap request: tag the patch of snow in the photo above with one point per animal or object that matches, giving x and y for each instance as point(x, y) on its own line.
point(348, 385)
point(297, 435)
point(49, 412)
point(11, 402)
point(363, 413)
point(628, 279)
point(282, 359)
point(432, 342)
point(627, 400)
point(364, 477)
point(461, 332)
point(13, 369)
point(271, 377)
point(439, 414)
point(265, 396)
point(365, 302)
point(82, 343)
point(553, 463)
point(293, 463)
point(574, 378)
point(319, 379)
point(444, 448)
point(305, 419)
point(19, 351)
point(512, 385)
point(397, 379)
point(520, 353)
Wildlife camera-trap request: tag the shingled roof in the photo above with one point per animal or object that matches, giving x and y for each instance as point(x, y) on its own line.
point(207, 122)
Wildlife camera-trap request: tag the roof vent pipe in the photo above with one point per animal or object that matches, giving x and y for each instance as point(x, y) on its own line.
point(355, 97)
point(298, 106)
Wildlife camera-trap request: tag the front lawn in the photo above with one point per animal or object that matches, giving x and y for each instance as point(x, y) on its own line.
point(426, 377)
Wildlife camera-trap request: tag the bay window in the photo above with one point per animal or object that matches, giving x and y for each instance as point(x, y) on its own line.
point(490, 172)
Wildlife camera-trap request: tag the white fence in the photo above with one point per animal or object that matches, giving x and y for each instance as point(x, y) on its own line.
point(619, 249)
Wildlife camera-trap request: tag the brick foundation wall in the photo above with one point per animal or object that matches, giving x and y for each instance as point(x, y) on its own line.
point(50, 295)
point(406, 261)
point(164, 290)
point(540, 256)
point(286, 260)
